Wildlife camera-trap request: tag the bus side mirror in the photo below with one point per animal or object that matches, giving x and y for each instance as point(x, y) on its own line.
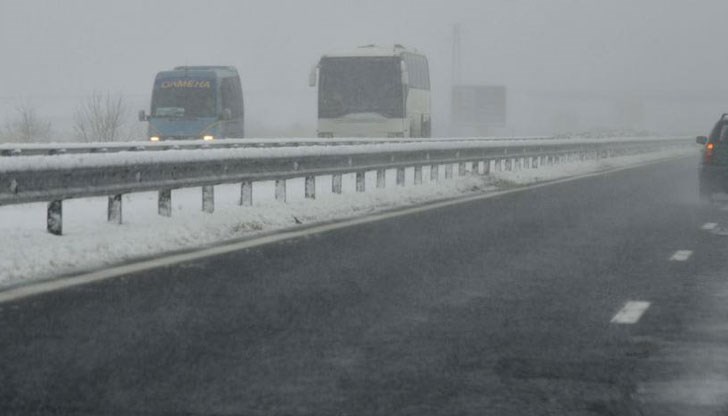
point(405, 74)
point(227, 114)
point(142, 115)
point(701, 140)
point(313, 76)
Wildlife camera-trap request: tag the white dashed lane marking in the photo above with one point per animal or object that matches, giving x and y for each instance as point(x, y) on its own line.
point(681, 255)
point(709, 226)
point(631, 312)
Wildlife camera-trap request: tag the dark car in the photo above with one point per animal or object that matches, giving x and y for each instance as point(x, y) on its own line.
point(714, 166)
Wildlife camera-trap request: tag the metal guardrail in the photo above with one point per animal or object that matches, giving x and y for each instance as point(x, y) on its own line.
point(38, 149)
point(53, 179)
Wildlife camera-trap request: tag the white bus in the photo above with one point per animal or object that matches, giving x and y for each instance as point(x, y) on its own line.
point(373, 91)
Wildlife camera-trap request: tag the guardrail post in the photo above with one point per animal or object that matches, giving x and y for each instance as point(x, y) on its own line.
point(208, 199)
point(113, 212)
point(486, 167)
point(281, 190)
point(434, 173)
point(381, 178)
point(462, 169)
point(418, 175)
point(54, 219)
point(400, 176)
point(246, 194)
point(360, 181)
point(336, 183)
point(448, 171)
point(164, 203)
point(310, 187)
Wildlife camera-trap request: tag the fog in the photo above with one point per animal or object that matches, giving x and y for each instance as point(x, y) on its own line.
point(569, 65)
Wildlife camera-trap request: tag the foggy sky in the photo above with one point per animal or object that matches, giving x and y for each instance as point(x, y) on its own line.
point(54, 52)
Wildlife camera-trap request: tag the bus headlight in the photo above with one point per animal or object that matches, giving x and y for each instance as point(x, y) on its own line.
point(208, 137)
point(154, 139)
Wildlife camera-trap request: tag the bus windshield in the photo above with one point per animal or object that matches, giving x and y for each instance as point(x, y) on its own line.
point(184, 98)
point(350, 85)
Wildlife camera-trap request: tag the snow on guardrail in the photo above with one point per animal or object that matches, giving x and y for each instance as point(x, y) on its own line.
point(128, 158)
point(56, 178)
point(32, 149)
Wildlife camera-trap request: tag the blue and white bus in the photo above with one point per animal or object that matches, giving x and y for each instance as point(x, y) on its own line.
point(373, 91)
point(196, 102)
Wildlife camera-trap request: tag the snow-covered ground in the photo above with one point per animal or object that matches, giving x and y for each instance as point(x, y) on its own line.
point(89, 242)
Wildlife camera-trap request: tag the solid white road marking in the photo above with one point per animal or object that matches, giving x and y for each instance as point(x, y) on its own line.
point(38, 288)
point(709, 226)
point(681, 255)
point(631, 312)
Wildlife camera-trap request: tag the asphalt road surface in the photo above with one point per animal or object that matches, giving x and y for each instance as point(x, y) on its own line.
point(602, 296)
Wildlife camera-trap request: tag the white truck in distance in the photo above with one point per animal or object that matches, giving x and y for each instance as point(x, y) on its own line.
point(373, 91)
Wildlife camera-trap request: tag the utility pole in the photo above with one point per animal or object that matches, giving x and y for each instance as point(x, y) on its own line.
point(456, 76)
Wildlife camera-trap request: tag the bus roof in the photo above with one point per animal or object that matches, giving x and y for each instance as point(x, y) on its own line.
point(373, 50)
point(200, 72)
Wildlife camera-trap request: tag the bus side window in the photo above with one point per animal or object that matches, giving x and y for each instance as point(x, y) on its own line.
point(418, 72)
point(414, 75)
point(415, 72)
point(240, 99)
point(425, 73)
point(232, 97)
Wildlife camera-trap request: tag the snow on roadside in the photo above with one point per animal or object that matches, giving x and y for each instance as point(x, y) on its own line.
point(89, 242)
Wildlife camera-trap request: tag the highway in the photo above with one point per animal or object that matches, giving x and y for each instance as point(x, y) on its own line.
point(606, 295)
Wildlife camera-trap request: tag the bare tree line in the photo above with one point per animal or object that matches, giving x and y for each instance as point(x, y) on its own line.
point(100, 117)
point(27, 126)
